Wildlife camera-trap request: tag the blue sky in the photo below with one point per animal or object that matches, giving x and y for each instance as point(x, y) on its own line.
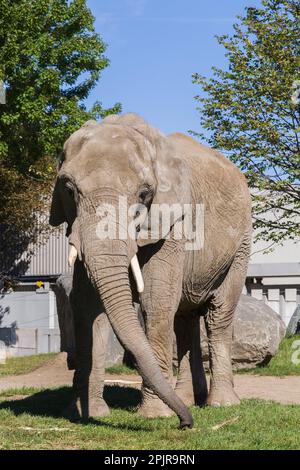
point(154, 46)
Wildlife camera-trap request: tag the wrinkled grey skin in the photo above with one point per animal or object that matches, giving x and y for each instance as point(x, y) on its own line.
point(125, 156)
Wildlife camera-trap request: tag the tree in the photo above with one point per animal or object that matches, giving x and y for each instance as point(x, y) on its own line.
point(251, 112)
point(50, 60)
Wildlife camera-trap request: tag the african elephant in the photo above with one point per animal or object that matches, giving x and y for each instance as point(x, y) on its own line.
point(123, 158)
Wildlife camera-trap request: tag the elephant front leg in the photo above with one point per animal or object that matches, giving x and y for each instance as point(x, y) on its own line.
point(96, 403)
point(159, 333)
point(88, 382)
point(163, 287)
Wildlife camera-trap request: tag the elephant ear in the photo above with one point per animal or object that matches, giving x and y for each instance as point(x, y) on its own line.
point(57, 213)
point(63, 207)
point(172, 186)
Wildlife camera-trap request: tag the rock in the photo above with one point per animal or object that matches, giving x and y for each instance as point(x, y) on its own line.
point(115, 352)
point(257, 333)
point(294, 324)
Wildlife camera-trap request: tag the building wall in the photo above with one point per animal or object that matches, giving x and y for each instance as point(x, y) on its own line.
point(289, 252)
point(28, 341)
point(51, 257)
point(28, 321)
point(28, 317)
point(285, 296)
point(28, 309)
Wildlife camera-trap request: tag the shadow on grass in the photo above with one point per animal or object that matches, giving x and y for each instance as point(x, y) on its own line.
point(52, 402)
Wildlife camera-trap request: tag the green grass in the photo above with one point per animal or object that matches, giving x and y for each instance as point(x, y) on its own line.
point(35, 422)
point(281, 364)
point(22, 365)
point(120, 369)
point(31, 418)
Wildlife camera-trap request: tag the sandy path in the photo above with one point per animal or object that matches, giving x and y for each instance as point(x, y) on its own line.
point(55, 374)
point(284, 390)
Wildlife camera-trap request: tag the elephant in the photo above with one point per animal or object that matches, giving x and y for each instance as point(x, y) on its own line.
point(175, 282)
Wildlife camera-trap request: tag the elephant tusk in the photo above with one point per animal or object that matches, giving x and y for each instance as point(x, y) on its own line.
point(137, 274)
point(72, 255)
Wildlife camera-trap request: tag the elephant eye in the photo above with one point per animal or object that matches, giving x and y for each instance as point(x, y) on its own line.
point(60, 159)
point(146, 195)
point(70, 188)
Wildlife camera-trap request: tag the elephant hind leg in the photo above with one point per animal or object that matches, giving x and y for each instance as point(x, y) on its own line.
point(191, 384)
point(218, 320)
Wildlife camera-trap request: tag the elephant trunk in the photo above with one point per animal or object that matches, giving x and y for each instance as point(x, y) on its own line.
point(107, 264)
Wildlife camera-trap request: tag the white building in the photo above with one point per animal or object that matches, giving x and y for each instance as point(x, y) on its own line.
point(28, 318)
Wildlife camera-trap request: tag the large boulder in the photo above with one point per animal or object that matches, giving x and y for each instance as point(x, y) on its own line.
point(257, 333)
point(62, 289)
point(293, 327)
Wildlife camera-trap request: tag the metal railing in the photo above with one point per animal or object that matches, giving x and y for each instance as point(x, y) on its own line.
point(277, 284)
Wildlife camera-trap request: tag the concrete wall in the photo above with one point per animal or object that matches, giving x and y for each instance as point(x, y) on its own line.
point(28, 341)
point(28, 309)
point(28, 321)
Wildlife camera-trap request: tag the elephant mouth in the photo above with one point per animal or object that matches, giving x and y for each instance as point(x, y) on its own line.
point(134, 264)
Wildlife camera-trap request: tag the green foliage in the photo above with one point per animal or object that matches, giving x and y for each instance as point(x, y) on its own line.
point(50, 60)
point(252, 112)
point(119, 369)
point(24, 364)
point(35, 422)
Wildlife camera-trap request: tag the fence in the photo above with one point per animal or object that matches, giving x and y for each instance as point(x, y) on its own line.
point(277, 284)
point(28, 341)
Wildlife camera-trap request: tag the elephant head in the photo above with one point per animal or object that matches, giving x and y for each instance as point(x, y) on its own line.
point(101, 162)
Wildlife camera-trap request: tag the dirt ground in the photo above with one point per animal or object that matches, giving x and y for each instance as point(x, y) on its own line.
point(284, 390)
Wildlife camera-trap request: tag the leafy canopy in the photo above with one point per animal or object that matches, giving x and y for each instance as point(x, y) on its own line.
point(251, 112)
point(50, 60)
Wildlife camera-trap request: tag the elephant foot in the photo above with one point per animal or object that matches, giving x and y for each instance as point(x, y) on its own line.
point(222, 397)
point(98, 408)
point(153, 407)
point(79, 409)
